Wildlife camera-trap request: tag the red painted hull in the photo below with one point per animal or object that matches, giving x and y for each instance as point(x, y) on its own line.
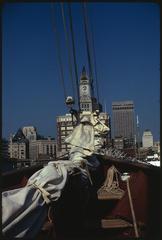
point(145, 192)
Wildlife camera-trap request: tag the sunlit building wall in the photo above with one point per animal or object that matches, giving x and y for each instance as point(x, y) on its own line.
point(147, 139)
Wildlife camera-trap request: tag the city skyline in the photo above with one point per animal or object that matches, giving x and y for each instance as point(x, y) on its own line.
point(127, 47)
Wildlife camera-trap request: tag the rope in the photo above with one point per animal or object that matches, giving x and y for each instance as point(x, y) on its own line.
point(110, 185)
point(61, 76)
point(44, 193)
point(95, 65)
point(68, 48)
point(74, 55)
point(88, 46)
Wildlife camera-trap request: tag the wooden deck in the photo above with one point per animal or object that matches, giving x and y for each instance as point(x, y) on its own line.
point(115, 223)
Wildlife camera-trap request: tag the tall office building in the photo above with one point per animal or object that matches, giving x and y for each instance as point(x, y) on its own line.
point(123, 121)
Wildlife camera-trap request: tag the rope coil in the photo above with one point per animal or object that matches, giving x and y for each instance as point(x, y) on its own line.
point(110, 189)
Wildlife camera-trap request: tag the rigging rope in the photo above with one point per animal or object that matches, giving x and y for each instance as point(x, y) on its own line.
point(74, 54)
point(92, 48)
point(68, 48)
point(88, 46)
point(95, 64)
point(61, 75)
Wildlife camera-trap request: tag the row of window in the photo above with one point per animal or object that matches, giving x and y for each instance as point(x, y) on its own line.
point(64, 119)
point(65, 123)
point(122, 108)
point(85, 106)
point(67, 128)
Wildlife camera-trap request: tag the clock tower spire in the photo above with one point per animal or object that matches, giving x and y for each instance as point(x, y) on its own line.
point(84, 73)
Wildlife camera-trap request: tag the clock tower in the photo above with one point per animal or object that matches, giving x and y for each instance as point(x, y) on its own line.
point(85, 92)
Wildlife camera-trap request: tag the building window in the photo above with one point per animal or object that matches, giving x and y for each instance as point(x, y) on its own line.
point(51, 149)
point(47, 148)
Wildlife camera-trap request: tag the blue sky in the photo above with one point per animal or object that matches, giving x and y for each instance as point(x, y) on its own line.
point(127, 43)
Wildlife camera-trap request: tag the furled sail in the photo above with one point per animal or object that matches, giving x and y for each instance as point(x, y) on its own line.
point(24, 210)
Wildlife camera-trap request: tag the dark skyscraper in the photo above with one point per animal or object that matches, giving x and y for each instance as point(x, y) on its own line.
point(123, 119)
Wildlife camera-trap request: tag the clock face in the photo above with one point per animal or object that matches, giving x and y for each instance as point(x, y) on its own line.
point(84, 88)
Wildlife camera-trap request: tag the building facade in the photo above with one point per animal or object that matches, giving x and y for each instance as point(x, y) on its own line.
point(156, 147)
point(18, 150)
point(27, 144)
point(42, 149)
point(5, 149)
point(18, 146)
point(123, 119)
point(65, 125)
point(118, 143)
point(147, 139)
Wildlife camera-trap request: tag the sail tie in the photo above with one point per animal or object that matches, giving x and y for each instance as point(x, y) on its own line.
point(44, 193)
